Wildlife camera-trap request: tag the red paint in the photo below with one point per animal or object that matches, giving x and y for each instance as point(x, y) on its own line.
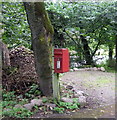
point(61, 60)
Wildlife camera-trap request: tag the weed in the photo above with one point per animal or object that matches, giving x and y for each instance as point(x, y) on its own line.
point(59, 110)
point(36, 107)
point(34, 91)
point(8, 103)
point(8, 95)
point(23, 101)
point(17, 112)
point(62, 106)
point(44, 100)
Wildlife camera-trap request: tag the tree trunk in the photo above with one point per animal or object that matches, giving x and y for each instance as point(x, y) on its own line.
point(116, 52)
point(110, 52)
point(42, 32)
point(5, 61)
point(88, 58)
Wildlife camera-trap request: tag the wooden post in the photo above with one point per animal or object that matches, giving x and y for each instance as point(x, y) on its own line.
point(55, 81)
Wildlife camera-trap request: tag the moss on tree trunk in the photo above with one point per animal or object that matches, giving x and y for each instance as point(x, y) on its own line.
point(42, 32)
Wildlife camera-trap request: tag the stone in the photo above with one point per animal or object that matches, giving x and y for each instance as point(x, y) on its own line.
point(28, 106)
point(102, 69)
point(69, 87)
point(82, 101)
point(65, 99)
point(71, 70)
point(75, 69)
point(50, 105)
point(95, 69)
point(87, 69)
point(7, 110)
point(18, 106)
point(37, 102)
point(79, 93)
point(20, 97)
point(99, 69)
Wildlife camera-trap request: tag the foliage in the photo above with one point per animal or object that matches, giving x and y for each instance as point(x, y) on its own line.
point(70, 20)
point(59, 110)
point(64, 106)
point(109, 65)
point(10, 99)
point(8, 95)
point(8, 103)
point(17, 112)
point(44, 100)
point(94, 20)
point(16, 29)
point(33, 91)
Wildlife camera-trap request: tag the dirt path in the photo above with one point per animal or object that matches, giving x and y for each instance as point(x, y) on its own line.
point(100, 87)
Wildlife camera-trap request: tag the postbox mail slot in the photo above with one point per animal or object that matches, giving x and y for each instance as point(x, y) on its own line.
point(59, 53)
point(61, 60)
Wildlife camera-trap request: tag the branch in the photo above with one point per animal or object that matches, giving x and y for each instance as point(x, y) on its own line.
point(71, 37)
point(96, 48)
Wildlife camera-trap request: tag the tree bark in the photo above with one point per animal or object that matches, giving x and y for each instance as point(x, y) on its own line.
point(88, 57)
point(4, 53)
point(110, 52)
point(116, 52)
point(42, 32)
point(96, 48)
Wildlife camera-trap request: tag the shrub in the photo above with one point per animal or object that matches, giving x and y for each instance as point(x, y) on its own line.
point(111, 63)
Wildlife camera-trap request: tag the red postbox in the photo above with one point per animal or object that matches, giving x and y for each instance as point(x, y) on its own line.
point(61, 60)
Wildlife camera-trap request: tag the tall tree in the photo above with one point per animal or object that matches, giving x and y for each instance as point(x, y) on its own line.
point(42, 32)
point(77, 19)
point(88, 58)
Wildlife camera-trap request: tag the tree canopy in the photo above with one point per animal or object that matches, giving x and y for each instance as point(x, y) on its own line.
point(15, 25)
point(95, 21)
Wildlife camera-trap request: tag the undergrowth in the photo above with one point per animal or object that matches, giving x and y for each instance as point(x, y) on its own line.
point(10, 99)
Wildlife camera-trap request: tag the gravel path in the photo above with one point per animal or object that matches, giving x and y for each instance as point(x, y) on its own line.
point(100, 87)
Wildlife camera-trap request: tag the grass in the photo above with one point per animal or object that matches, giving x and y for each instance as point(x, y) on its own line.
point(99, 81)
point(103, 80)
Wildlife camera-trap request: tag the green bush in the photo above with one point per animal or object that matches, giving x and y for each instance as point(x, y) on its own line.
point(111, 63)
